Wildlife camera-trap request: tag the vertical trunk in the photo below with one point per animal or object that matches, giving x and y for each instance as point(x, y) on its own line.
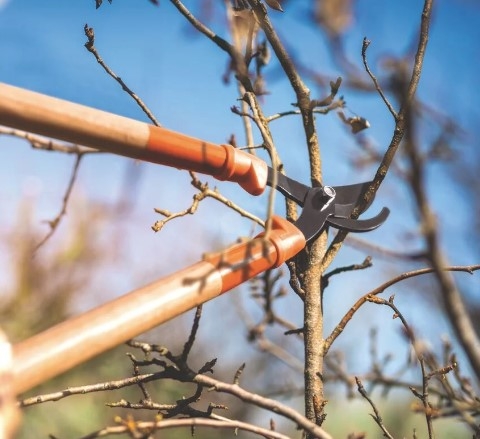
point(313, 330)
point(311, 281)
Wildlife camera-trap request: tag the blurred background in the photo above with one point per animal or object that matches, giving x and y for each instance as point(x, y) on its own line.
point(105, 246)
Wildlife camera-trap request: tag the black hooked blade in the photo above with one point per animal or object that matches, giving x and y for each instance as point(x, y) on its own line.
point(347, 198)
point(324, 206)
point(359, 226)
point(289, 187)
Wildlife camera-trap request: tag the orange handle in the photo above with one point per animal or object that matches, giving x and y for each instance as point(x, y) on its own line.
point(74, 341)
point(60, 119)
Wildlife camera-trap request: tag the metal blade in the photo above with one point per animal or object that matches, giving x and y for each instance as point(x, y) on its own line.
point(348, 196)
point(353, 225)
point(289, 187)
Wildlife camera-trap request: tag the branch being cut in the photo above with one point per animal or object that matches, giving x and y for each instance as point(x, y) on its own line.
point(307, 264)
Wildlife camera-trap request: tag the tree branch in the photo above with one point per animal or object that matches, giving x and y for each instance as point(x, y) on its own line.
point(259, 401)
point(407, 275)
point(398, 133)
point(90, 46)
point(146, 428)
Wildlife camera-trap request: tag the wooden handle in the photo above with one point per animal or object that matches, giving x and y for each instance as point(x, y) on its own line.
point(74, 341)
point(60, 119)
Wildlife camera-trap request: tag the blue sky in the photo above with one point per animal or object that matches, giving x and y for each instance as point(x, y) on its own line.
point(178, 74)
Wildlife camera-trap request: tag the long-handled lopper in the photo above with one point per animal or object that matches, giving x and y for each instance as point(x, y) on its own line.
point(80, 338)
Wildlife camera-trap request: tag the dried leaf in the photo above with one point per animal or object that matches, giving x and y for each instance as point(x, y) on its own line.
point(263, 55)
point(334, 15)
point(356, 123)
point(99, 3)
point(274, 4)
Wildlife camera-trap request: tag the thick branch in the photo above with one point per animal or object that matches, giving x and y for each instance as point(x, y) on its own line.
point(313, 313)
point(268, 404)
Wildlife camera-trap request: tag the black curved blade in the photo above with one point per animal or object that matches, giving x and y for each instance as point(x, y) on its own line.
point(314, 215)
point(289, 187)
point(318, 212)
point(359, 226)
point(348, 196)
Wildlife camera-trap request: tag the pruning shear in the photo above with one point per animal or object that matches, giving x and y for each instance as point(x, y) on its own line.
point(59, 348)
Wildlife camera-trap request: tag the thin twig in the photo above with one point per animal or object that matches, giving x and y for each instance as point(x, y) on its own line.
point(398, 134)
point(91, 388)
point(420, 354)
point(46, 144)
point(323, 111)
point(148, 427)
point(54, 223)
point(90, 46)
point(377, 418)
point(367, 263)
point(238, 61)
point(246, 118)
point(204, 192)
point(366, 43)
point(193, 333)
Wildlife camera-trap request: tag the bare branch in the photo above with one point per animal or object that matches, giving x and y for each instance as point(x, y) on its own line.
point(204, 192)
point(377, 418)
point(259, 401)
point(193, 333)
point(54, 223)
point(420, 353)
point(148, 427)
point(367, 263)
point(407, 275)
point(399, 131)
point(90, 46)
point(46, 144)
point(365, 45)
point(91, 388)
point(335, 105)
